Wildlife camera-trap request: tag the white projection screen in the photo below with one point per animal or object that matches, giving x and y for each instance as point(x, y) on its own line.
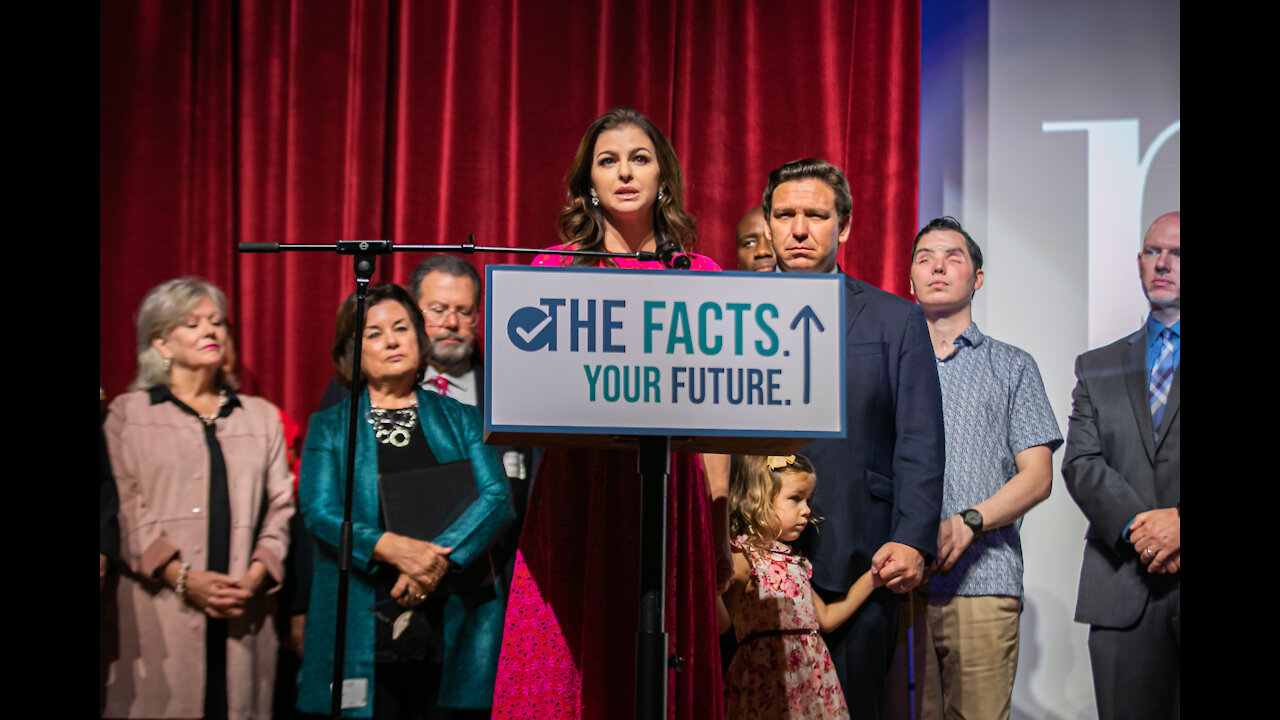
point(1052, 132)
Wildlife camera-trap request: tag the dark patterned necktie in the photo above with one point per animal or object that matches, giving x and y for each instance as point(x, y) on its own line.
point(1161, 380)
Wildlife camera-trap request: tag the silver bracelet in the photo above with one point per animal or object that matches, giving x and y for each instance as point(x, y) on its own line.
point(181, 586)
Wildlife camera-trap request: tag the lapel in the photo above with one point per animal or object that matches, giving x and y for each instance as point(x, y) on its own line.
point(366, 460)
point(436, 427)
point(1138, 385)
point(854, 302)
point(478, 378)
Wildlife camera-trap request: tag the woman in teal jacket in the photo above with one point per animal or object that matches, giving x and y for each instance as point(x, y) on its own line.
point(449, 638)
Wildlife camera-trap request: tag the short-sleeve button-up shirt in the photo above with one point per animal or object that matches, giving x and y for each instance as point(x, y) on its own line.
point(994, 406)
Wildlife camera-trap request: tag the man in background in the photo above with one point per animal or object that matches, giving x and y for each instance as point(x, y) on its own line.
point(447, 290)
point(1000, 438)
point(755, 253)
point(880, 488)
point(1123, 468)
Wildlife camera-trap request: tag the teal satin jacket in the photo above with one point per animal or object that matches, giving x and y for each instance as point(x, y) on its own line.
point(472, 631)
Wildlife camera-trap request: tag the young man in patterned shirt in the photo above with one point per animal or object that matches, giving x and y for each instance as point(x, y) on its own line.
point(1000, 438)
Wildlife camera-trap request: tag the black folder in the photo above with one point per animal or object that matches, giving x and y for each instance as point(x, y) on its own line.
point(423, 502)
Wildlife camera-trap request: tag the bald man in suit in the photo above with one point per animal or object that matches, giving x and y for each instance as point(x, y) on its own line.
point(1122, 467)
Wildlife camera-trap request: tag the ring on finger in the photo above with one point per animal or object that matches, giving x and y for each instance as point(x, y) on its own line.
point(1149, 553)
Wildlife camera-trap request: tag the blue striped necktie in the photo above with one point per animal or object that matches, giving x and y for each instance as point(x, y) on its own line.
point(1161, 380)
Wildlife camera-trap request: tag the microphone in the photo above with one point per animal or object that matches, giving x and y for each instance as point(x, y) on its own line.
point(668, 251)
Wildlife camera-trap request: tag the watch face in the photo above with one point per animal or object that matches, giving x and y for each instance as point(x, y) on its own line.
point(973, 519)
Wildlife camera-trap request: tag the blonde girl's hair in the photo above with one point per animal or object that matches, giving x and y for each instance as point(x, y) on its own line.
point(756, 482)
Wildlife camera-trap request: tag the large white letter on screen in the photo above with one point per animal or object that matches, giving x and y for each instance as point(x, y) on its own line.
point(1116, 179)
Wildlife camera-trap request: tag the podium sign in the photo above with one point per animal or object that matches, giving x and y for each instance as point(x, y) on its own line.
point(612, 352)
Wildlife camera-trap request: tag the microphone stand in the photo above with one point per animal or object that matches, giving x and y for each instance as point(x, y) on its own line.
point(654, 465)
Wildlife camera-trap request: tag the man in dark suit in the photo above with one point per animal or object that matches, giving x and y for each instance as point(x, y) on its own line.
point(879, 490)
point(1123, 467)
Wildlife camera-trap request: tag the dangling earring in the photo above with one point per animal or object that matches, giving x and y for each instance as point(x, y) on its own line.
point(595, 201)
point(659, 193)
point(168, 363)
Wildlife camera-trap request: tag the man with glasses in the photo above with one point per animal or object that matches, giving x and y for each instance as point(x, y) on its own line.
point(447, 289)
point(1123, 467)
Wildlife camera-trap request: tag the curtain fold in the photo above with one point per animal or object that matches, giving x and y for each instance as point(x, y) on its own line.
point(224, 121)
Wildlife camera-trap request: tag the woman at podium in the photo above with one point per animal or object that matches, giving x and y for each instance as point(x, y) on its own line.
point(569, 641)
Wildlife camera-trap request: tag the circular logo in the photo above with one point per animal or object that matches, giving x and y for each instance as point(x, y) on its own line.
point(530, 329)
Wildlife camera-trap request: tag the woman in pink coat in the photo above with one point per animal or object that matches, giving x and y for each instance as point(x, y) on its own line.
point(205, 501)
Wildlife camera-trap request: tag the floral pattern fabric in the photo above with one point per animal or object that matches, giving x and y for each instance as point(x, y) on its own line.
point(780, 676)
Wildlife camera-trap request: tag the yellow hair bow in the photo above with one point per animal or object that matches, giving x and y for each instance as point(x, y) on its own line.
point(780, 461)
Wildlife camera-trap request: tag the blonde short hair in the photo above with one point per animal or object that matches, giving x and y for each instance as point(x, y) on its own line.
point(164, 307)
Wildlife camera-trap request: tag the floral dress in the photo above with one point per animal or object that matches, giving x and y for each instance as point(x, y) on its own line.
point(782, 668)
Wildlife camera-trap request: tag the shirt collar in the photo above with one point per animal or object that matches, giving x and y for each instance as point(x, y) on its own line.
point(1154, 327)
point(462, 382)
point(972, 336)
point(161, 393)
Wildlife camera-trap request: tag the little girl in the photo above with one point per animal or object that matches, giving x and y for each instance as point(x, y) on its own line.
point(782, 668)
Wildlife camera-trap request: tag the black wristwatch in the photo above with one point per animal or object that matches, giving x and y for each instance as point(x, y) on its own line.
point(973, 519)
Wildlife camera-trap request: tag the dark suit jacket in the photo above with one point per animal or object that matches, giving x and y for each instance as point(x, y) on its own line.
point(884, 480)
point(1114, 470)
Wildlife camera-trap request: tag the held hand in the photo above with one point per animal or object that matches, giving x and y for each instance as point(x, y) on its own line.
point(899, 567)
point(254, 579)
point(424, 562)
point(407, 592)
point(954, 538)
point(1155, 535)
point(1166, 566)
point(216, 594)
point(876, 581)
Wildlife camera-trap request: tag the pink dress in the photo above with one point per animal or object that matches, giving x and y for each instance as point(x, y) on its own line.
point(569, 640)
point(775, 675)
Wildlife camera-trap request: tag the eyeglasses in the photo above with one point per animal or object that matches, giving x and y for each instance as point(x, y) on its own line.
point(436, 315)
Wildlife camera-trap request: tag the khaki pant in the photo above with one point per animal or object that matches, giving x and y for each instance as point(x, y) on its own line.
point(971, 657)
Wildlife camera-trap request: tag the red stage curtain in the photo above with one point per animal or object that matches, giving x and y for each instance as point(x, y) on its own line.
point(316, 120)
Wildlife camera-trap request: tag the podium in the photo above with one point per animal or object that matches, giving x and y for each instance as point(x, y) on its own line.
point(662, 361)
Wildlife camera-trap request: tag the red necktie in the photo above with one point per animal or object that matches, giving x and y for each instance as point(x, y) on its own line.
point(442, 385)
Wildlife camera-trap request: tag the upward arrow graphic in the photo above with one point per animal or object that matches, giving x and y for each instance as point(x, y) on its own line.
point(808, 317)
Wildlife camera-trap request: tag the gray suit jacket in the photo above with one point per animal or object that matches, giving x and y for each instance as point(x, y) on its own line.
point(1115, 469)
